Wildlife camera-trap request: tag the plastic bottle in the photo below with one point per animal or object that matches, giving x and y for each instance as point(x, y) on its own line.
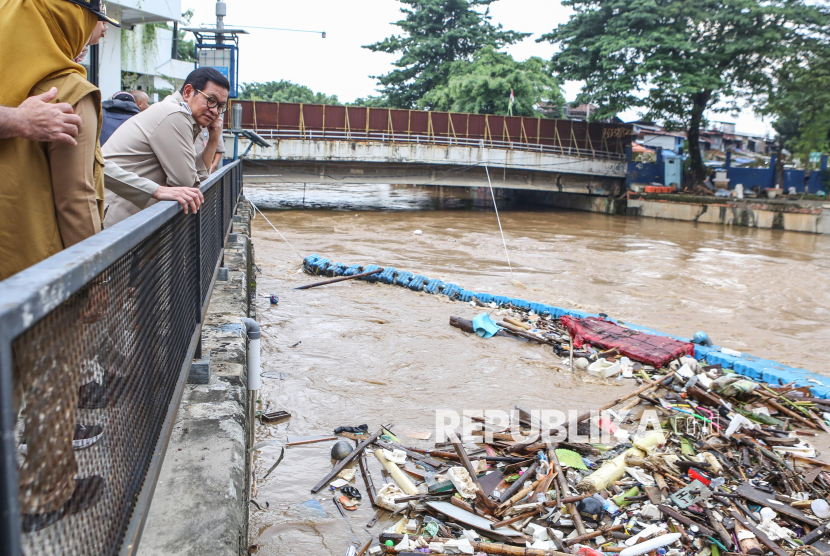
point(608, 504)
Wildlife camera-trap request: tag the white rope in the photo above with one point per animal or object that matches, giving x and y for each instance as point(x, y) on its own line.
point(493, 195)
point(275, 228)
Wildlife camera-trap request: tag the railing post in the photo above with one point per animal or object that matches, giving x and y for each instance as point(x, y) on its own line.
point(10, 528)
point(198, 271)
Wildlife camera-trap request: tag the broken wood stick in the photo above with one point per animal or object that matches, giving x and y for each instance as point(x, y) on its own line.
point(481, 499)
point(684, 520)
point(346, 461)
point(515, 518)
point(587, 414)
point(749, 544)
point(341, 279)
point(724, 535)
point(367, 478)
point(759, 534)
point(500, 549)
point(516, 486)
point(588, 536)
point(563, 485)
point(311, 441)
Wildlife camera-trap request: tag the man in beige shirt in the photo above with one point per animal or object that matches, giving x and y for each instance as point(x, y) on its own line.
point(159, 144)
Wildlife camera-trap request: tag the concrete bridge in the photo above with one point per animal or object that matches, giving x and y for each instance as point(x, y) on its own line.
point(312, 143)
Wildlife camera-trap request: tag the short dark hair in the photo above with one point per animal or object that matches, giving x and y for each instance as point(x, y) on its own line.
point(199, 78)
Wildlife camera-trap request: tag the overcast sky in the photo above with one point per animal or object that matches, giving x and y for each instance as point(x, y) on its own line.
point(338, 65)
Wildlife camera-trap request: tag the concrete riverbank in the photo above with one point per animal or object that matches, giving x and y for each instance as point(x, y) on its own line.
point(201, 501)
point(776, 214)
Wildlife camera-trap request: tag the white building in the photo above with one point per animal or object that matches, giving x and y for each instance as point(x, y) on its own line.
point(140, 50)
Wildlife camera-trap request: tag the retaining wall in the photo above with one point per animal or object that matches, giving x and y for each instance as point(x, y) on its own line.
point(200, 505)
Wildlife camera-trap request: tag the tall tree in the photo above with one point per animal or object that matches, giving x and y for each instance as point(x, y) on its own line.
point(801, 103)
point(435, 34)
point(483, 86)
point(285, 91)
point(680, 58)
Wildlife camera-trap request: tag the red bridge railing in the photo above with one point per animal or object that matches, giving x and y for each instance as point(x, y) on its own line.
point(283, 120)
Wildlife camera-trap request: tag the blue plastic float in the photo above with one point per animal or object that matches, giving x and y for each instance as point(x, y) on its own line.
point(765, 370)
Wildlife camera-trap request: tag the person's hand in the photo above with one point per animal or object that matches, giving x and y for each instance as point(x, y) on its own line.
point(41, 121)
point(188, 197)
point(215, 128)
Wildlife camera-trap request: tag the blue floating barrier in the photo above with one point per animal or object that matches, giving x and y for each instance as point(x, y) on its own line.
point(434, 286)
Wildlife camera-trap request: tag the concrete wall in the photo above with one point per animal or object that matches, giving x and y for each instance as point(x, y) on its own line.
point(808, 217)
point(337, 172)
point(811, 218)
point(427, 153)
point(201, 501)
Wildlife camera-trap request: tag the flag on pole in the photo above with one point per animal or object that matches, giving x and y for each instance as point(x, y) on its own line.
point(510, 106)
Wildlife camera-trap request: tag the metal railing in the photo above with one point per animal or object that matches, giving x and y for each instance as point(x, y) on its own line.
point(95, 345)
point(383, 137)
point(305, 121)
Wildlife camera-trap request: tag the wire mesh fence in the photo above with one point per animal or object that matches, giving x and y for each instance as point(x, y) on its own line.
point(95, 343)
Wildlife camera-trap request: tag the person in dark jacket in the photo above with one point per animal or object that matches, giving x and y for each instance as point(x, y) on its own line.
point(121, 108)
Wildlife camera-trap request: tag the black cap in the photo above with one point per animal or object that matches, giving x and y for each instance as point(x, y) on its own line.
point(97, 7)
point(123, 96)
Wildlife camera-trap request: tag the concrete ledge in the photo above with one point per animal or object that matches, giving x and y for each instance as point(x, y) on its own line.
point(796, 217)
point(201, 501)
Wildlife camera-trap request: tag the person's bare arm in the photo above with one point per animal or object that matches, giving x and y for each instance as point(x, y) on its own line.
point(216, 159)
point(214, 136)
point(37, 120)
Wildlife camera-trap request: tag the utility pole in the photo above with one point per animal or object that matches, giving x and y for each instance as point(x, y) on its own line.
point(221, 12)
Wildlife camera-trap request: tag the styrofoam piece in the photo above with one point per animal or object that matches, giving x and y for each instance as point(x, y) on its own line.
point(398, 457)
point(603, 368)
point(462, 481)
point(685, 371)
point(650, 544)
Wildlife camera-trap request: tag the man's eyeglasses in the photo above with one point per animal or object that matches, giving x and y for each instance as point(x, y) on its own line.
point(212, 102)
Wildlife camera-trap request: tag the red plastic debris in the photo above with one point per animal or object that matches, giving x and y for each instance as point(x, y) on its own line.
point(639, 346)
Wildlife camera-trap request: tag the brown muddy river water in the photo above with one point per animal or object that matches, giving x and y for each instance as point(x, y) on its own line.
point(354, 353)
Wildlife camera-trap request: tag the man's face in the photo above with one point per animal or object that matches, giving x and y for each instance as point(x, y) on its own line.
point(200, 104)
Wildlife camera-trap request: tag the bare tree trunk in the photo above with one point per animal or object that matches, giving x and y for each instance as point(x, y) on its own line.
point(697, 169)
point(779, 167)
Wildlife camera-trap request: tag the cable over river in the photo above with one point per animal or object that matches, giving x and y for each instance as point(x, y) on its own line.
point(353, 352)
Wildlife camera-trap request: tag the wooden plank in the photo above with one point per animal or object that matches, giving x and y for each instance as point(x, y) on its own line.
point(752, 494)
point(346, 461)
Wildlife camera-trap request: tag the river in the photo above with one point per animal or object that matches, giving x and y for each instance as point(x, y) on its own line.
point(355, 353)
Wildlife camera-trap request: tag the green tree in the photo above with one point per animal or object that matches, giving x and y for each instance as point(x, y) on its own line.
point(371, 101)
point(483, 86)
point(680, 58)
point(801, 103)
point(435, 34)
point(285, 91)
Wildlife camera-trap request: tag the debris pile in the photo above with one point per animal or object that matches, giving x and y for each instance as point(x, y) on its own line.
point(724, 467)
